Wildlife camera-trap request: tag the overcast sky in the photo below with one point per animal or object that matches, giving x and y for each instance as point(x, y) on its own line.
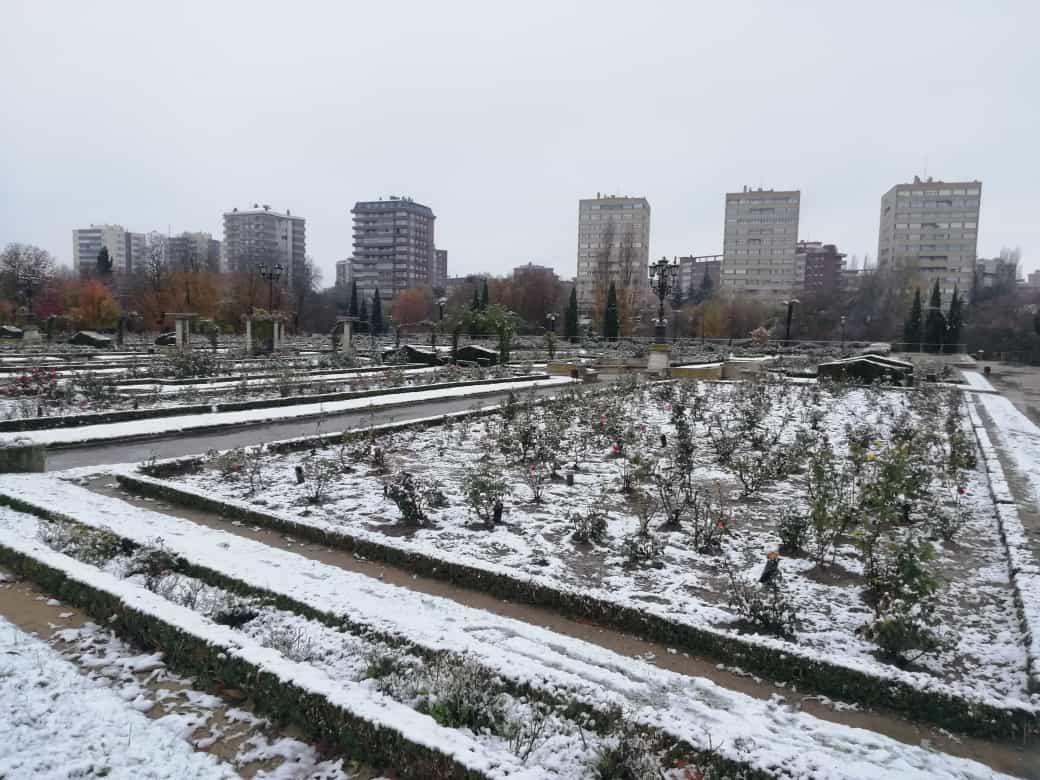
point(500, 116)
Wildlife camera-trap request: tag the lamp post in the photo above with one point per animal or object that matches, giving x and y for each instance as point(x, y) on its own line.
point(790, 313)
point(551, 316)
point(28, 281)
point(441, 303)
point(663, 276)
point(843, 318)
point(271, 275)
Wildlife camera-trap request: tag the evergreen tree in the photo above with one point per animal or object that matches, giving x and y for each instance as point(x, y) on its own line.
point(475, 306)
point(485, 299)
point(935, 322)
point(104, 263)
point(353, 310)
point(954, 320)
point(362, 323)
point(571, 318)
point(912, 327)
point(377, 314)
point(611, 326)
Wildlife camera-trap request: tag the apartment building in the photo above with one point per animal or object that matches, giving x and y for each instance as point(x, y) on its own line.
point(439, 273)
point(344, 273)
point(692, 269)
point(931, 228)
point(393, 246)
point(759, 254)
point(261, 236)
point(195, 251)
point(823, 265)
point(125, 249)
point(613, 246)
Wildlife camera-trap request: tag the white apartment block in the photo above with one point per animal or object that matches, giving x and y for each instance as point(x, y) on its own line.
point(613, 246)
point(260, 236)
point(125, 249)
point(931, 228)
point(760, 243)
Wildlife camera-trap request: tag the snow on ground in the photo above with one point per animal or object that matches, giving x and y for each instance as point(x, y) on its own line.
point(988, 656)
point(766, 733)
point(350, 697)
point(271, 382)
point(55, 437)
point(976, 381)
point(56, 723)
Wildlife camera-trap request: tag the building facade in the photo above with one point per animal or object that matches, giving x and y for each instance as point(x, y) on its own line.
point(931, 229)
point(393, 246)
point(691, 275)
point(344, 273)
point(439, 274)
point(195, 251)
point(613, 246)
point(125, 249)
point(759, 254)
point(823, 267)
point(261, 236)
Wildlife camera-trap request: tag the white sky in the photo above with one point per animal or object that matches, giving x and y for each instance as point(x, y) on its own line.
point(500, 116)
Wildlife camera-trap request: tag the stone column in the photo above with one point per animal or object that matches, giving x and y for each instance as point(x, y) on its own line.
point(182, 334)
point(345, 343)
point(249, 335)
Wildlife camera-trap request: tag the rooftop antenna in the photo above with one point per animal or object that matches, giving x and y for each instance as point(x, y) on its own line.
point(926, 167)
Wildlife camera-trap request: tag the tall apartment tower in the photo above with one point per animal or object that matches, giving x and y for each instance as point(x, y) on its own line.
point(393, 246)
point(344, 273)
point(613, 246)
point(931, 228)
point(759, 252)
point(260, 235)
point(125, 249)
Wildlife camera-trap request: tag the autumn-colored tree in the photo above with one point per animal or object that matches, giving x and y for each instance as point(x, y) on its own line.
point(412, 305)
point(93, 304)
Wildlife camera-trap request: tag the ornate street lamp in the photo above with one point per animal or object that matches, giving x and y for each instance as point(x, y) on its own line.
point(843, 318)
point(551, 316)
point(663, 279)
point(441, 303)
point(271, 275)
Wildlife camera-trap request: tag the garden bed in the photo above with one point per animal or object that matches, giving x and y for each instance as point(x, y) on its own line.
point(671, 581)
point(295, 602)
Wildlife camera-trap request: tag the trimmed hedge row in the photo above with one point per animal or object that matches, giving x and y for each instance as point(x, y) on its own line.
point(947, 710)
point(128, 415)
point(600, 720)
point(284, 701)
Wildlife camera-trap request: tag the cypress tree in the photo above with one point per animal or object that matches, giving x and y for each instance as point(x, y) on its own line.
point(707, 285)
point(104, 262)
point(475, 306)
point(611, 326)
point(353, 310)
point(935, 322)
point(377, 314)
point(571, 317)
point(954, 320)
point(912, 327)
point(362, 323)
point(485, 299)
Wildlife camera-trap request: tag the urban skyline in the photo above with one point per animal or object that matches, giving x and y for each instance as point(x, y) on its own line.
point(519, 141)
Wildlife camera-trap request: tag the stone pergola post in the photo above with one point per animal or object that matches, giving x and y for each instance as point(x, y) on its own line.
point(345, 337)
point(182, 330)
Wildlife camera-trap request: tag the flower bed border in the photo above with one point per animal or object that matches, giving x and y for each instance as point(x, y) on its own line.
point(948, 710)
point(204, 658)
point(572, 705)
point(28, 424)
point(1022, 567)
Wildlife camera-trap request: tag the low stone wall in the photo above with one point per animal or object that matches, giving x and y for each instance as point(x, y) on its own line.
point(128, 415)
point(29, 457)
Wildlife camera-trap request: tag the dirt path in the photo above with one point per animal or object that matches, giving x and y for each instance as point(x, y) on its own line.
point(1021, 761)
point(225, 726)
